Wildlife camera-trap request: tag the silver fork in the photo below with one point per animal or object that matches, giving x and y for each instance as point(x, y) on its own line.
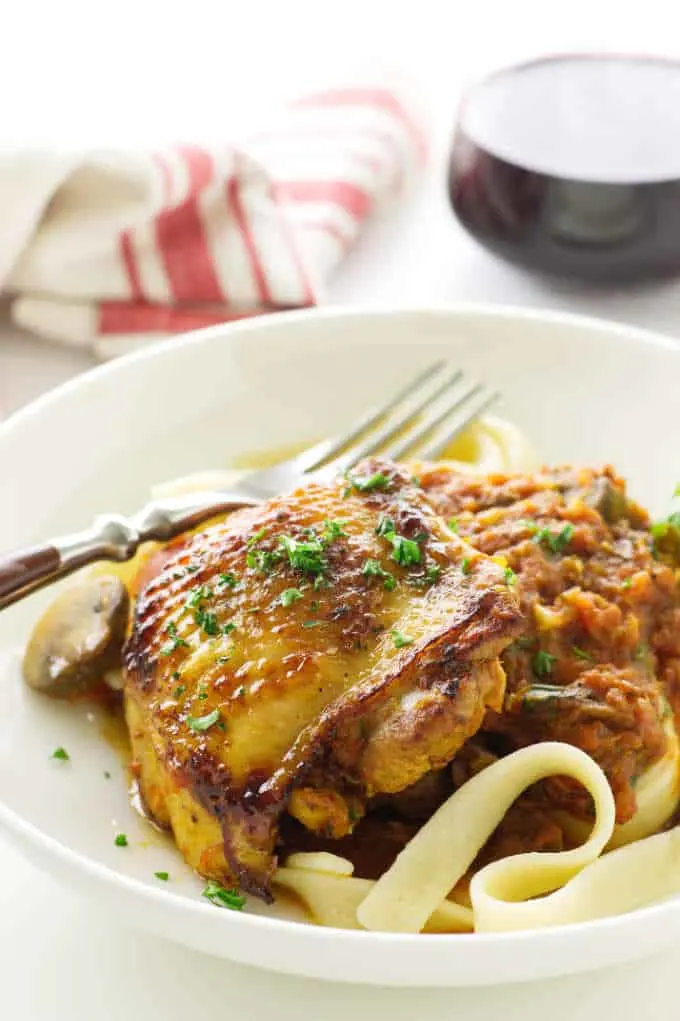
point(420, 420)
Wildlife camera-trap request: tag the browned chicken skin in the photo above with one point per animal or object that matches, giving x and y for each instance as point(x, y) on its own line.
point(330, 646)
point(600, 648)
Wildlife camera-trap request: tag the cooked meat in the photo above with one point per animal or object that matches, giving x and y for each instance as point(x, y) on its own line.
point(330, 646)
point(601, 644)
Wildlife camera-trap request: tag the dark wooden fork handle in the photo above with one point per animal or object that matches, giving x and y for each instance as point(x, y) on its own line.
point(26, 569)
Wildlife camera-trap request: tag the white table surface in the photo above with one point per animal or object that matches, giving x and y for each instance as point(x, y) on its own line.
point(133, 72)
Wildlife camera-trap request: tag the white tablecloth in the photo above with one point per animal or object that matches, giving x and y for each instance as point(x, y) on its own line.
point(74, 73)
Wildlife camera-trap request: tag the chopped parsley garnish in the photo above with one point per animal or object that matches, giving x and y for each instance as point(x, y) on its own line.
point(400, 639)
point(542, 663)
point(465, 566)
point(626, 583)
point(228, 628)
point(227, 580)
point(262, 560)
point(197, 596)
point(179, 691)
point(555, 543)
point(386, 525)
point(307, 556)
point(582, 654)
point(405, 551)
point(255, 538)
point(203, 694)
point(290, 596)
point(510, 576)
point(175, 641)
point(366, 485)
point(207, 621)
point(192, 568)
point(666, 536)
point(200, 723)
point(314, 606)
point(453, 525)
point(333, 530)
point(641, 651)
point(320, 582)
point(61, 754)
point(240, 691)
point(312, 623)
point(373, 569)
point(222, 898)
point(176, 675)
point(120, 840)
point(162, 875)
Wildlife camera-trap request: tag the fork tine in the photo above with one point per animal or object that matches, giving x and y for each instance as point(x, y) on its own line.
point(438, 444)
point(377, 440)
point(325, 451)
point(439, 414)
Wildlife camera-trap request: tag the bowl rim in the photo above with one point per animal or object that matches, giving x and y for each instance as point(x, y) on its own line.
point(40, 845)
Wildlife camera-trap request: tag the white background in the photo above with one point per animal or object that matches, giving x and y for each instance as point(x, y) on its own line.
point(140, 73)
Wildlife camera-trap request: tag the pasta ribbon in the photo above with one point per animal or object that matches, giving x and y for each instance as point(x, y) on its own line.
point(442, 851)
point(332, 895)
point(526, 891)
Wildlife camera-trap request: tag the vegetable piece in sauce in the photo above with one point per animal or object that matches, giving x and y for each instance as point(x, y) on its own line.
point(78, 639)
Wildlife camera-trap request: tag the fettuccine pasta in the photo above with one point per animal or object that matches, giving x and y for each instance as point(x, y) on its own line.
point(534, 890)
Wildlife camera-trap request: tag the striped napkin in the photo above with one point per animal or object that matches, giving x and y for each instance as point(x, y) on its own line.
point(110, 250)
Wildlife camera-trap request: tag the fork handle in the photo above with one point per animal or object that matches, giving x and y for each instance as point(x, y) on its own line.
point(26, 568)
point(112, 537)
point(25, 571)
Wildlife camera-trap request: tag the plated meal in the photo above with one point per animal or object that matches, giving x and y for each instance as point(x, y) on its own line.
point(423, 697)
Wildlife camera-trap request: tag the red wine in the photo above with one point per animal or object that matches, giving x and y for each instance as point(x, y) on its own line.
point(571, 165)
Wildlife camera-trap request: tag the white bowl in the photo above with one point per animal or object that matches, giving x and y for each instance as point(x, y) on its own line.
point(583, 390)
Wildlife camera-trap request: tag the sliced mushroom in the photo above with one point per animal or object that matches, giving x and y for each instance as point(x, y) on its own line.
point(79, 639)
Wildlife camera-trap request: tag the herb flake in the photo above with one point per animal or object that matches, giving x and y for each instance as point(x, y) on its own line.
point(366, 485)
point(201, 723)
point(554, 542)
point(542, 663)
point(582, 654)
point(374, 569)
point(400, 639)
point(222, 898)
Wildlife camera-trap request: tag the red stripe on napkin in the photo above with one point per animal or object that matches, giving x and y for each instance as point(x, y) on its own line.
point(184, 250)
point(129, 260)
point(116, 317)
point(200, 166)
point(350, 197)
